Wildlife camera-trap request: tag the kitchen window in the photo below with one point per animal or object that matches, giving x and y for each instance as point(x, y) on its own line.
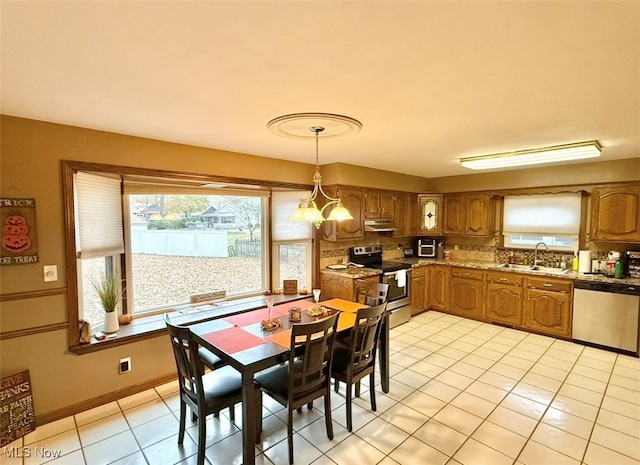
point(552, 218)
point(170, 241)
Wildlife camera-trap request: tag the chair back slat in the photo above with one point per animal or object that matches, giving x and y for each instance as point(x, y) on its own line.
point(189, 365)
point(310, 360)
point(366, 333)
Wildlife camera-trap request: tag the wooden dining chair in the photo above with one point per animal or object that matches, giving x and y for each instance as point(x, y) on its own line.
point(369, 293)
point(307, 375)
point(354, 362)
point(204, 394)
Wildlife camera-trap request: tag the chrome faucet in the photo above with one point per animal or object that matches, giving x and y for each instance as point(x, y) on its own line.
point(535, 253)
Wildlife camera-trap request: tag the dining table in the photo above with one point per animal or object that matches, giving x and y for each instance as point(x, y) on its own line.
point(240, 341)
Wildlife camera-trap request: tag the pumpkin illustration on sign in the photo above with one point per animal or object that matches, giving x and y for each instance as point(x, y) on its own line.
point(15, 234)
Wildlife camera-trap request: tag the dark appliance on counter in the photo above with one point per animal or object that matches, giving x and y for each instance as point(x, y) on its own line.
point(607, 314)
point(427, 248)
point(395, 274)
point(631, 263)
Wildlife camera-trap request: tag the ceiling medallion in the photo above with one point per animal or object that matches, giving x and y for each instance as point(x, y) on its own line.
point(296, 125)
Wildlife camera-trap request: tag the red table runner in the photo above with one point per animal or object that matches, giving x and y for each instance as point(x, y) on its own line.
point(234, 339)
point(256, 316)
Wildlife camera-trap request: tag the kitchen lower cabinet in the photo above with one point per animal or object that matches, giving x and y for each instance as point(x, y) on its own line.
point(467, 292)
point(504, 298)
point(418, 289)
point(340, 287)
point(547, 306)
point(437, 287)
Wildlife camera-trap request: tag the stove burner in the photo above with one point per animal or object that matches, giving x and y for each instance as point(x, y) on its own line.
point(371, 257)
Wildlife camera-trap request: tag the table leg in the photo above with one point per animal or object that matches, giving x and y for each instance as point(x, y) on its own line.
point(384, 355)
point(248, 420)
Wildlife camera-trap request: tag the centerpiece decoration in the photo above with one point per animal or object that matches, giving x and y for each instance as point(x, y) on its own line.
point(270, 324)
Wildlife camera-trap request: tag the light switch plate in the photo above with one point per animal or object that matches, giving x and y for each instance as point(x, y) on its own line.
point(50, 272)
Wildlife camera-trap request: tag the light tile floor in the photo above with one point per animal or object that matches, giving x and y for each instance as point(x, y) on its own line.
point(462, 392)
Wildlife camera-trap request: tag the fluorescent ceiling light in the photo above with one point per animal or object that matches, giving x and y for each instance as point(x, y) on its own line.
point(557, 153)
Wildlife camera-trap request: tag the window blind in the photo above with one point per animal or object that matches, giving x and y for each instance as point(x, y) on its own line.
point(553, 214)
point(98, 203)
point(283, 204)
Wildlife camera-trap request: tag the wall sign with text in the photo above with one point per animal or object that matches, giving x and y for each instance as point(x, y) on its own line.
point(19, 243)
point(17, 417)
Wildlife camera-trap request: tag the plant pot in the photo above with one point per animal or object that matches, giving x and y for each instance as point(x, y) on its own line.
point(110, 322)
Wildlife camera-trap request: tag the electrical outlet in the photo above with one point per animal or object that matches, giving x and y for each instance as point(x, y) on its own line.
point(50, 273)
point(125, 365)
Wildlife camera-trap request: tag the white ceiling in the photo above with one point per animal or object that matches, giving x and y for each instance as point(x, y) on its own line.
point(431, 81)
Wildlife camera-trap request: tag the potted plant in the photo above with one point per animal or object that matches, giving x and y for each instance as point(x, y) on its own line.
point(109, 290)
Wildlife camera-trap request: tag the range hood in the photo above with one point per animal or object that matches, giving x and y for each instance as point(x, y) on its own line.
point(379, 226)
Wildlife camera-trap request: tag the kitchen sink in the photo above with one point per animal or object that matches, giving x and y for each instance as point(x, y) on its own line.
point(548, 269)
point(532, 268)
point(515, 267)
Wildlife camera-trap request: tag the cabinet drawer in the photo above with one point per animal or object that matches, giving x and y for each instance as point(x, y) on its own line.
point(511, 279)
point(546, 284)
point(468, 273)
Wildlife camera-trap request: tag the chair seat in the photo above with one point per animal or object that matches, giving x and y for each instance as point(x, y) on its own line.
point(275, 381)
point(222, 387)
point(210, 360)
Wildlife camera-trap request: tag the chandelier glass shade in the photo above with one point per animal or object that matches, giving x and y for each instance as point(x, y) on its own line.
point(308, 208)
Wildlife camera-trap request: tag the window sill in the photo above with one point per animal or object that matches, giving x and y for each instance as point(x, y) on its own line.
point(153, 326)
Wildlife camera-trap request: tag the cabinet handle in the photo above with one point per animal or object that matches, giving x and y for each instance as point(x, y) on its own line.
point(504, 279)
point(547, 285)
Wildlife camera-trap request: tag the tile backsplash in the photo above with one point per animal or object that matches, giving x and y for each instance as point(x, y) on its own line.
point(462, 248)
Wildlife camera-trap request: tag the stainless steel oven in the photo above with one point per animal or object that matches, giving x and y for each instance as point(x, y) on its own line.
point(396, 274)
point(399, 283)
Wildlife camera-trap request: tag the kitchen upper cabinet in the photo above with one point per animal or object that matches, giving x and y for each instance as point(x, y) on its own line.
point(437, 287)
point(469, 215)
point(615, 214)
point(379, 204)
point(467, 292)
point(429, 215)
point(504, 298)
point(353, 200)
point(547, 306)
point(418, 291)
point(406, 210)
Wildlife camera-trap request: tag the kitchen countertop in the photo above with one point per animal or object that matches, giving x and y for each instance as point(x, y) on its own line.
point(356, 273)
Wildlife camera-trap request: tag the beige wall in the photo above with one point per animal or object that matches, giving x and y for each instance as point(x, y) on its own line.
point(30, 167)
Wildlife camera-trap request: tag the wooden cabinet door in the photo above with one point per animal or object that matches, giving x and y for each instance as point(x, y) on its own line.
point(479, 215)
point(336, 287)
point(438, 285)
point(372, 204)
point(379, 204)
point(466, 295)
point(387, 205)
point(504, 298)
point(615, 213)
point(548, 312)
point(454, 214)
point(418, 289)
point(504, 304)
point(429, 215)
point(405, 206)
point(352, 200)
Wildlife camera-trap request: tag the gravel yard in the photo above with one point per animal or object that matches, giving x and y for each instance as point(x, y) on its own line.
point(161, 279)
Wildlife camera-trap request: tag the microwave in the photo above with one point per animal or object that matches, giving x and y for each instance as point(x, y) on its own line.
point(427, 248)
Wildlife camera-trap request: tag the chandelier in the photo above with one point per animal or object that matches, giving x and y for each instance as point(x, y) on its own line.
point(308, 208)
point(291, 126)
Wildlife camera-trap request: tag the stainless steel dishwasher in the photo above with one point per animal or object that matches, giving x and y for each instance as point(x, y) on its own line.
point(606, 314)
